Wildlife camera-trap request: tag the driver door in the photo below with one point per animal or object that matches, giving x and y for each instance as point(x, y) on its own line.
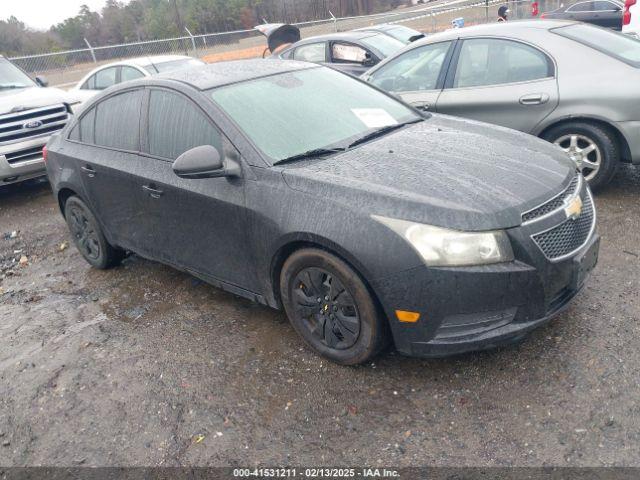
point(416, 76)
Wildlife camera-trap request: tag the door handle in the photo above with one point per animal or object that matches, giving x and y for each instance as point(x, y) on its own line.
point(89, 171)
point(534, 99)
point(152, 192)
point(424, 106)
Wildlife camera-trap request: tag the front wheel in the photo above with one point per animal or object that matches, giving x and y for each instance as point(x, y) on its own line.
point(331, 308)
point(594, 149)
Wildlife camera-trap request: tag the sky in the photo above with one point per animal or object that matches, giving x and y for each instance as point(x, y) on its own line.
point(42, 14)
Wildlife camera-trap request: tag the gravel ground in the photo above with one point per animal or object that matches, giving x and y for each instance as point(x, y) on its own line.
point(144, 365)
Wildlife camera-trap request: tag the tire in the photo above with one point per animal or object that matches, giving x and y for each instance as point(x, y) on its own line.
point(344, 325)
point(88, 237)
point(576, 137)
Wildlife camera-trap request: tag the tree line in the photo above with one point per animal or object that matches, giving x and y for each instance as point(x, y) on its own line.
point(140, 20)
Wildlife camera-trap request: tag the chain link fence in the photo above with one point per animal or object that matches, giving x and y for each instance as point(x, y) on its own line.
point(64, 69)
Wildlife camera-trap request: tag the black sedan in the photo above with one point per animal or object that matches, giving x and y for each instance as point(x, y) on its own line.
point(302, 188)
point(605, 13)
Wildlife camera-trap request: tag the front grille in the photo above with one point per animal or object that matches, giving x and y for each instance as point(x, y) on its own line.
point(555, 203)
point(45, 121)
point(570, 235)
point(25, 155)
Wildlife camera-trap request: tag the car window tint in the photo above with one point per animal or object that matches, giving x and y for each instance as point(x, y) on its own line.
point(90, 84)
point(605, 6)
point(176, 125)
point(75, 133)
point(118, 121)
point(130, 73)
point(87, 123)
point(342, 52)
point(315, 53)
point(581, 7)
point(417, 69)
point(487, 61)
point(105, 78)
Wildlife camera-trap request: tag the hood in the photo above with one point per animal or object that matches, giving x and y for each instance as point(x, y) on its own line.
point(279, 34)
point(445, 172)
point(32, 97)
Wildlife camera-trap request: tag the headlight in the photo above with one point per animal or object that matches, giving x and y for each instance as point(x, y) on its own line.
point(440, 247)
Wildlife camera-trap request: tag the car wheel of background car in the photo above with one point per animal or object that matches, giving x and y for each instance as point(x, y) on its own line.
point(331, 308)
point(594, 149)
point(88, 237)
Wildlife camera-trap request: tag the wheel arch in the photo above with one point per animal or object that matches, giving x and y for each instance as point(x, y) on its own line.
point(63, 195)
point(625, 151)
point(294, 242)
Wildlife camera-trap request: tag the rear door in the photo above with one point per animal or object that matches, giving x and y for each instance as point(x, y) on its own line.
point(500, 81)
point(417, 76)
point(108, 162)
point(607, 14)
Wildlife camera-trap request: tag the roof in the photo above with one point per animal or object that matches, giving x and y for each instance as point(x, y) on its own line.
point(150, 60)
point(515, 27)
point(224, 73)
point(351, 35)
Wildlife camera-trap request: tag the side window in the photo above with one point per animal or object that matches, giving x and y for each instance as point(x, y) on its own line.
point(87, 126)
point(117, 123)
point(418, 69)
point(75, 133)
point(130, 73)
point(489, 61)
point(346, 53)
point(90, 84)
point(176, 125)
point(605, 7)
point(581, 7)
point(105, 78)
point(315, 53)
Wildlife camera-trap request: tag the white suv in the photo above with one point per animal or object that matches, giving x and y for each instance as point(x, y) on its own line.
point(631, 18)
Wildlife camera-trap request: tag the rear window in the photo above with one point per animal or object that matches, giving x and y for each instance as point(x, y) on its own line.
point(622, 47)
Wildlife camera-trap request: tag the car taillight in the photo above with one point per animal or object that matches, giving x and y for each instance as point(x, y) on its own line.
point(44, 154)
point(626, 17)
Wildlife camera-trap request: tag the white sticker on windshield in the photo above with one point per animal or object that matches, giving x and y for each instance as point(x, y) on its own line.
point(374, 117)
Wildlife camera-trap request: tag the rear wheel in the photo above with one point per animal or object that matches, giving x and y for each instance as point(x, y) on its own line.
point(88, 237)
point(594, 149)
point(331, 308)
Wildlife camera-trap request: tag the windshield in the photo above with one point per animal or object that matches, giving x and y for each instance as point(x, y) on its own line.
point(12, 77)
point(622, 47)
point(296, 112)
point(177, 64)
point(383, 43)
point(404, 34)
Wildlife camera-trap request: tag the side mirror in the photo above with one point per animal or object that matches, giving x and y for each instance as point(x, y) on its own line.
point(42, 81)
point(368, 61)
point(204, 162)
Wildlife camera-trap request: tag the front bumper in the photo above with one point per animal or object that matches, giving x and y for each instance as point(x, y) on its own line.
point(22, 161)
point(475, 308)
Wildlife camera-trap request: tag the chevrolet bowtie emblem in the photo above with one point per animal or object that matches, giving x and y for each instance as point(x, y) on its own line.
point(573, 208)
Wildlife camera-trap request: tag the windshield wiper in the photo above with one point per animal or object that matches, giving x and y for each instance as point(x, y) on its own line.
point(315, 153)
point(382, 131)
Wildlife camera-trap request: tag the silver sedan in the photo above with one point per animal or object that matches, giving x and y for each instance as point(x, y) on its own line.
point(570, 83)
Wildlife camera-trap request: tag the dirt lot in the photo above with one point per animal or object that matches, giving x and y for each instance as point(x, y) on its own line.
point(143, 365)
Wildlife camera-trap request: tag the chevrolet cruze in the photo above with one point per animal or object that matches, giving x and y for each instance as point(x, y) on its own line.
point(305, 189)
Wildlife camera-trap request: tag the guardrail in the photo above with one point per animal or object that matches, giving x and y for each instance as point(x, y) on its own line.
point(64, 69)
